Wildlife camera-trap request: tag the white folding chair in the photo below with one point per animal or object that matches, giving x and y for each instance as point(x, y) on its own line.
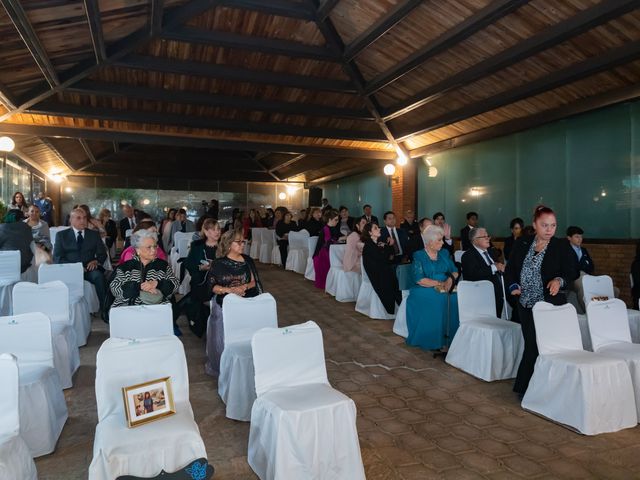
point(52, 299)
point(53, 231)
point(141, 321)
point(9, 276)
point(256, 242)
point(342, 285)
point(589, 392)
point(400, 323)
point(298, 251)
point(72, 275)
point(310, 272)
point(91, 296)
point(242, 317)
point(610, 336)
point(368, 303)
point(300, 426)
point(276, 256)
point(15, 459)
point(266, 246)
point(602, 286)
point(43, 411)
point(336, 256)
point(484, 346)
point(167, 444)
point(457, 256)
point(183, 242)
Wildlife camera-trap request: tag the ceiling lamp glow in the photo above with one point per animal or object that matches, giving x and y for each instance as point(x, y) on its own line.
point(433, 172)
point(7, 144)
point(402, 160)
point(389, 169)
point(282, 196)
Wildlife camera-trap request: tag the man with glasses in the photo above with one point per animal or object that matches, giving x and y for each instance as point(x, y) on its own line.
point(477, 264)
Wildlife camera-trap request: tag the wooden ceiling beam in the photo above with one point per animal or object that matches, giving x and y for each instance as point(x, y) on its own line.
point(7, 98)
point(325, 8)
point(189, 141)
point(281, 8)
point(273, 46)
point(92, 10)
point(559, 78)
point(553, 35)
point(20, 20)
point(258, 160)
point(87, 150)
point(595, 102)
point(379, 28)
point(287, 163)
point(211, 174)
point(57, 153)
point(345, 173)
point(89, 87)
point(476, 22)
point(161, 118)
point(155, 17)
point(225, 72)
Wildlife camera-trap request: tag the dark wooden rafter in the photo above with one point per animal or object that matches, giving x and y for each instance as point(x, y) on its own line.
point(190, 141)
point(325, 8)
point(155, 18)
point(105, 157)
point(88, 87)
point(6, 97)
point(171, 19)
point(559, 78)
point(30, 38)
point(256, 44)
point(306, 170)
point(553, 35)
point(281, 8)
point(476, 22)
point(261, 164)
point(158, 118)
point(334, 41)
point(288, 162)
point(185, 67)
point(379, 28)
point(344, 173)
point(55, 151)
point(87, 150)
point(92, 10)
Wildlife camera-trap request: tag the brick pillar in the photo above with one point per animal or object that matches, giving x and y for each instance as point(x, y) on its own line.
point(404, 195)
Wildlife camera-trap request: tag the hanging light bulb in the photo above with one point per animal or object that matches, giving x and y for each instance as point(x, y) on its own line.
point(433, 172)
point(402, 160)
point(7, 144)
point(282, 196)
point(389, 169)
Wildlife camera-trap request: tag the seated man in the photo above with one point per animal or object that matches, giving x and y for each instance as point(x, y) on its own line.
point(79, 244)
point(397, 238)
point(366, 210)
point(410, 224)
point(477, 264)
point(585, 265)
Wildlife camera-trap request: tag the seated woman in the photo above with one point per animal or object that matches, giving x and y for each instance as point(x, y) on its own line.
point(39, 228)
point(353, 251)
point(231, 272)
point(283, 228)
point(16, 235)
point(130, 252)
point(314, 224)
point(145, 279)
point(432, 314)
point(377, 260)
point(321, 263)
point(251, 221)
point(198, 263)
point(104, 217)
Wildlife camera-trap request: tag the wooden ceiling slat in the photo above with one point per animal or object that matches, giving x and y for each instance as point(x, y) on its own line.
point(143, 62)
point(281, 8)
point(325, 8)
point(155, 19)
point(95, 28)
point(87, 150)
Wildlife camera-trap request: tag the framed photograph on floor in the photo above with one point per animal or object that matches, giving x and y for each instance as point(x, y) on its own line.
point(149, 401)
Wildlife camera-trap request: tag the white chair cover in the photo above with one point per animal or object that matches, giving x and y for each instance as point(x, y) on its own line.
point(174, 256)
point(53, 231)
point(368, 303)
point(183, 243)
point(256, 241)
point(9, 275)
point(602, 286)
point(587, 391)
point(52, 299)
point(610, 336)
point(298, 251)
point(43, 411)
point(484, 346)
point(141, 321)
point(310, 272)
point(268, 240)
point(15, 458)
point(400, 323)
point(300, 427)
point(91, 296)
point(242, 317)
point(276, 256)
point(457, 256)
point(72, 275)
point(336, 256)
point(166, 444)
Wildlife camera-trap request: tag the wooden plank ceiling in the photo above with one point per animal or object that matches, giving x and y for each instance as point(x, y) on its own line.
point(300, 90)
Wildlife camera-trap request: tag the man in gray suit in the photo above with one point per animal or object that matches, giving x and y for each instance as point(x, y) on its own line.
point(79, 244)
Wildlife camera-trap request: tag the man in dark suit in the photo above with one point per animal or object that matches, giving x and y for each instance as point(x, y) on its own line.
point(472, 221)
point(128, 221)
point(368, 216)
point(396, 237)
point(79, 244)
point(477, 264)
point(410, 224)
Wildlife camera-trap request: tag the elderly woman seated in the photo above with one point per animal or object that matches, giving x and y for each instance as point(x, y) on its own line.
point(432, 312)
point(16, 235)
point(145, 279)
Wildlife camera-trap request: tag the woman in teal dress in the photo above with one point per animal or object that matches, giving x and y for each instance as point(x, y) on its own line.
point(427, 308)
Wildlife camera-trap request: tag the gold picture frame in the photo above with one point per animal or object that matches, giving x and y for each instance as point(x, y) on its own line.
point(149, 401)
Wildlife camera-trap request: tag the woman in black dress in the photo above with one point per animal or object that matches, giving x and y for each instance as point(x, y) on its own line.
point(283, 228)
point(377, 259)
point(539, 268)
point(314, 224)
point(516, 225)
point(231, 272)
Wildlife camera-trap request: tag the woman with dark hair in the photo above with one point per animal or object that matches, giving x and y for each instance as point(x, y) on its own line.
point(267, 221)
point(303, 216)
point(251, 221)
point(283, 228)
point(110, 227)
point(148, 403)
point(16, 235)
point(353, 251)
point(377, 260)
point(321, 263)
point(314, 224)
point(165, 228)
point(18, 202)
point(231, 272)
point(539, 268)
point(39, 228)
point(516, 226)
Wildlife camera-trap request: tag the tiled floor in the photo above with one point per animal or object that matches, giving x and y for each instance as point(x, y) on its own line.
point(418, 418)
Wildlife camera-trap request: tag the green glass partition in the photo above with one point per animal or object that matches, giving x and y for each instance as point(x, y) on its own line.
point(355, 192)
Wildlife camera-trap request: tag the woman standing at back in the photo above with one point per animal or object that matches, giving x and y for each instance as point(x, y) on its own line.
point(539, 268)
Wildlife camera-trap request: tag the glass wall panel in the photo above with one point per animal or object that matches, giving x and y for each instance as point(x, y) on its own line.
point(355, 192)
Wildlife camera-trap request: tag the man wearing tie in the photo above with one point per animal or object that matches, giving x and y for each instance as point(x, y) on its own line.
point(367, 215)
point(79, 244)
point(477, 264)
point(128, 222)
point(396, 237)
